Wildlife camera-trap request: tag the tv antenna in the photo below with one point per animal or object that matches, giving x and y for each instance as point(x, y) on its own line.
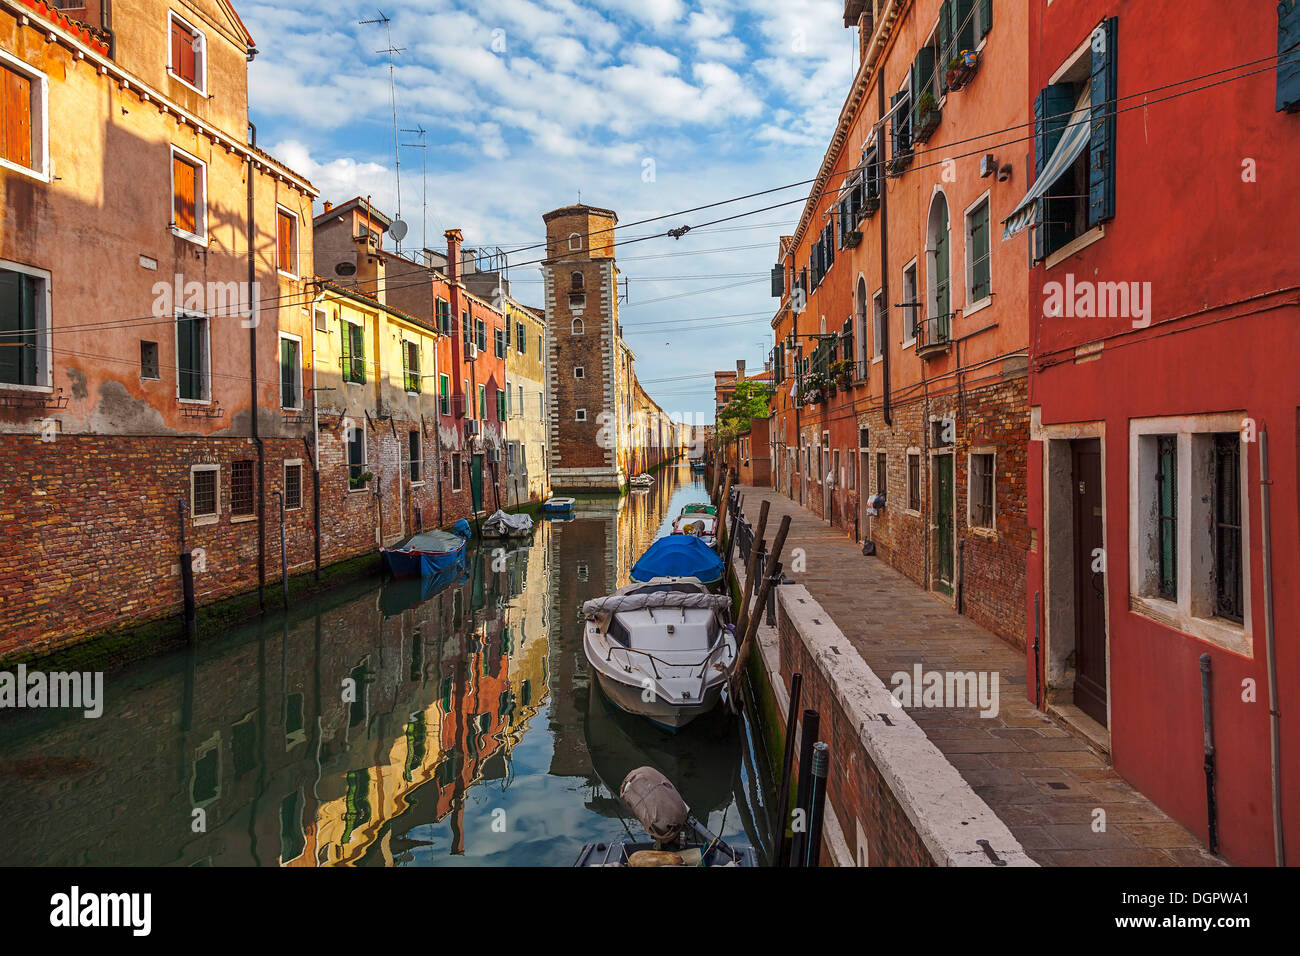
point(422, 145)
point(392, 51)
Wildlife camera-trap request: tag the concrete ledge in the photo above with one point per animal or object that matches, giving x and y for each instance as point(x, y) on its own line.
point(946, 814)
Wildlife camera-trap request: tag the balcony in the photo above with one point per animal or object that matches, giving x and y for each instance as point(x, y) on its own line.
point(927, 120)
point(934, 335)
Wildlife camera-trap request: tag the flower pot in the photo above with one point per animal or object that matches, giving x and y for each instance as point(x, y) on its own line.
point(926, 124)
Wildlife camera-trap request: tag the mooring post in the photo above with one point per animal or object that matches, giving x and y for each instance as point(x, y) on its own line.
point(787, 765)
point(807, 737)
point(821, 760)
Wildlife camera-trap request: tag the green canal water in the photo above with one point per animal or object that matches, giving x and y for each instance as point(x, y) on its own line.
point(475, 735)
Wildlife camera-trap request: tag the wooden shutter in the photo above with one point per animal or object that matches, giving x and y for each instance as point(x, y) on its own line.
point(345, 328)
point(1052, 110)
point(358, 352)
point(284, 242)
point(1288, 56)
point(986, 17)
point(946, 52)
point(963, 25)
point(922, 79)
point(184, 57)
point(1101, 143)
point(15, 117)
point(184, 190)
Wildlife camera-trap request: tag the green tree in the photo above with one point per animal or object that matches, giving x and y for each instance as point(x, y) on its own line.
point(751, 400)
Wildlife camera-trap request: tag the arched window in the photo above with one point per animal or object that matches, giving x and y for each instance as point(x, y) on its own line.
point(861, 328)
point(575, 241)
point(576, 281)
point(578, 327)
point(939, 271)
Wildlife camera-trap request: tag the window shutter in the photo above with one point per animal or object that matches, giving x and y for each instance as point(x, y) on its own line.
point(986, 17)
point(288, 389)
point(183, 199)
point(946, 52)
point(1052, 110)
point(285, 242)
point(963, 25)
point(359, 352)
point(922, 78)
point(15, 117)
point(1288, 56)
point(406, 365)
point(778, 282)
point(1101, 145)
point(345, 328)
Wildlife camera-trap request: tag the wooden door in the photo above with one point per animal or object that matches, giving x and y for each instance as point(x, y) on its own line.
point(1089, 582)
point(943, 531)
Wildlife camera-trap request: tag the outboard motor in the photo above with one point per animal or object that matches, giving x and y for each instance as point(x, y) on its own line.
point(656, 804)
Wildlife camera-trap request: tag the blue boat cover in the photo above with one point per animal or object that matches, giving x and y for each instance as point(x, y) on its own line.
point(679, 556)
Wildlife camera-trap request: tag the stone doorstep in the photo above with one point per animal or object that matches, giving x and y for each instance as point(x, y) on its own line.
point(937, 783)
point(1075, 721)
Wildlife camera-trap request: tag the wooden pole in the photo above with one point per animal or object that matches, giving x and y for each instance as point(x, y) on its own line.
point(752, 568)
point(764, 591)
point(724, 503)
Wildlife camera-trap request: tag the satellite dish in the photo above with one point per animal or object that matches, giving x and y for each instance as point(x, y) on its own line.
point(346, 269)
point(398, 230)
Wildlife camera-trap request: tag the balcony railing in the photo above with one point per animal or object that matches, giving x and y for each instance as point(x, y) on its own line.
point(934, 335)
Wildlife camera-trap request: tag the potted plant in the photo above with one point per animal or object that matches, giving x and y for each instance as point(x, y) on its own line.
point(960, 69)
point(843, 373)
point(927, 117)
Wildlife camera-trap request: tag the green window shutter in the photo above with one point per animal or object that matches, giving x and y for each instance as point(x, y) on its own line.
point(981, 248)
point(986, 17)
point(406, 367)
point(778, 282)
point(922, 79)
point(963, 25)
point(345, 330)
point(1288, 56)
point(444, 394)
point(190, 357)
point(1101, 144)
point(288, 387)
point(359, 353)
point(18, 340)
point(946, 52)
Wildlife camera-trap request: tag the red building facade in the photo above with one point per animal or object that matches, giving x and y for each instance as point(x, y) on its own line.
point(1164, 332)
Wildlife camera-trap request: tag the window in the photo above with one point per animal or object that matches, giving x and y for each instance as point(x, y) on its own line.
point(356, 442)
point(192, 358)
point(521, 338)
point(290, 371)
point(467, 397)
point(913, 481)
point(286, 242)
point(979, 284)
point(575, 241)
point(480, 334)
point(292, 485)
point(864, 438)
point(541, 406)
point(519, 409)
point(204, 502)
point(502, 399)
point(879, 316)
point(835, 469)
point(1228, 601)
point(444, 395)
point(1288, 67)
point(578, 371)
point(577, 282)
point(187, 54)
point(413, 450)
point(322, 321)
point(455, 471)
point(23, 117)
point(578, 328)
point(580, 415)
point(853, 475)
point(443, 308)
point(189, 197)
point(539, 346)
point(882, 473)
point(900, 129)
point(509, 393)
point(241, 489)
point(1167, 515)
point(577, 300)
point(354, 352)
point(982, 489)
point(411, 366)
point(482, 403)
point(24, 326)
point(148, 360)
point(911, 304)
point(499, 338)
point(466, 329)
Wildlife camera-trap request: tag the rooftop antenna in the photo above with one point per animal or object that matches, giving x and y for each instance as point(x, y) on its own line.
point(422, 145)
point(397, 233)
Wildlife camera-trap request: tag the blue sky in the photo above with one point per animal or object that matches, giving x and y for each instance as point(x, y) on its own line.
point(642, 106)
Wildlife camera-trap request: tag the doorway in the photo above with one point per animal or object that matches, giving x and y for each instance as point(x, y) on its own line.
point(1089, 581)
point(942, 523)
point(476, 482)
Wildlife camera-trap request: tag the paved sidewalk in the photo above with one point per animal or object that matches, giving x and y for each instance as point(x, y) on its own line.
point(1043, 782)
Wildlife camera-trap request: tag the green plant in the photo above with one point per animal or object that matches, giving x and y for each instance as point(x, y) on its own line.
point(926, 103)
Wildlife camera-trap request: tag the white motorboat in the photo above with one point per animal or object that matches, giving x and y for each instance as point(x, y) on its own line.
point(661, 649)
point(641, 481)
point(502, 525)
point(702, 526)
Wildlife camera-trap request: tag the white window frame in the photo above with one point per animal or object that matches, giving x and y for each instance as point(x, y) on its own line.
point(284, 483)
point(207, 355)
point(200, 196)
point(45, 327)
point(879, 321)
point(992, 529)
point(40, 119)
point(365, 456)
point(298, 388)
point(907, 482)
point(575, 241)
point(201, 75)
point(293, 252)
point(200, 520)
point(1193, 505)
point(416, 482)
point(580, 415)
point(579, 373)
point(975, 305)
point(578, 327)
point(910, 318)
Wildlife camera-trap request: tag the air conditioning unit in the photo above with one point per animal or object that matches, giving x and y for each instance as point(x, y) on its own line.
point(471, 351)
point(471, 427)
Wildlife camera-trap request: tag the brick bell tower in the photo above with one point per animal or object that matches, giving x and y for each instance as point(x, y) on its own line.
point(583, 347)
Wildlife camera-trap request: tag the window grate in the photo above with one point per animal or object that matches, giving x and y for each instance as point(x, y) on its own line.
point(1167, 514)
point(205, 494)
point(292, 487)
point(241, 488)
point(1228, 601)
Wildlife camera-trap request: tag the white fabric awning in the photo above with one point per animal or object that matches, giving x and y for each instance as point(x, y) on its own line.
point(1072, 143)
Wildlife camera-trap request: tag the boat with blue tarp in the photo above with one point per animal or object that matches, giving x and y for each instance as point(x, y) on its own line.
point(429, 553)
point(679, 556)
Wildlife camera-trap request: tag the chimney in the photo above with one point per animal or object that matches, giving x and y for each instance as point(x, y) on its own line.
point(454, 239)
point(328, 205)
point(740, 370)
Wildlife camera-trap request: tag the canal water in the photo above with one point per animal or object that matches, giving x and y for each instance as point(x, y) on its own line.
point(439, 723)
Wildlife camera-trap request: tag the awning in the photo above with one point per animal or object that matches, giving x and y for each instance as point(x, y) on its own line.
point(1072, 143)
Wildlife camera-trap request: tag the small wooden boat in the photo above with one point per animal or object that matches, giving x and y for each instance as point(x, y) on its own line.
point(558, 506)
point(641, 481)
point(677, 838)
point(702, 526)
point(701, 509)
point(428, 555)
point(502, 525)
point(661, 650)
point(698, 467)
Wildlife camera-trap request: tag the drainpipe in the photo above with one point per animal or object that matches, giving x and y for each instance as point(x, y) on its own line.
point(1207, 722)
point(1265, 486)
point(884, 244)
point(315, 431)
point(106, 24)
point(252, 375)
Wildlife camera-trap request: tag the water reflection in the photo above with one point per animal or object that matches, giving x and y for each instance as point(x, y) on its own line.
point(410, 723)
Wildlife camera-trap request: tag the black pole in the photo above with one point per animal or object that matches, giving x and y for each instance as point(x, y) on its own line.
point(315, 492)
point(187, 577)
point(787, 761)
point(820, 766)
point(284, 554)
point(1211, 808)
point(807, 737)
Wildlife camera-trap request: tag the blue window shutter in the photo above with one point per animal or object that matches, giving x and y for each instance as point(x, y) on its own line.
point(1288, 56)
point(1101, 145)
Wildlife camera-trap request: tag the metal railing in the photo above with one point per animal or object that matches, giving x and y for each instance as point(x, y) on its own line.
point(744, 532)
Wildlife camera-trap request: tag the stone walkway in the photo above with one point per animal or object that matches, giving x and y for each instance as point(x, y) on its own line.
point(1042, 781)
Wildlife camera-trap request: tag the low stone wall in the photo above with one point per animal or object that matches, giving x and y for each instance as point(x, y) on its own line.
point(893, 799)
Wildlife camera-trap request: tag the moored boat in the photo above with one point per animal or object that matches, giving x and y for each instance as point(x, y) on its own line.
point(558, 506)
point(701, 526)
point(641, 481)
point(661, 649)
point(428, 554)
point(502, 525)
point(679, 556)
point(698, 467)
point(701, 509)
